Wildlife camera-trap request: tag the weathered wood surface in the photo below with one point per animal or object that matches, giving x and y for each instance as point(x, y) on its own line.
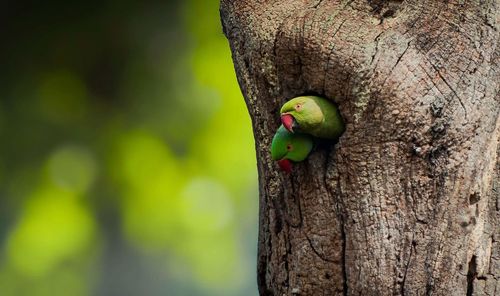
point(407, 202)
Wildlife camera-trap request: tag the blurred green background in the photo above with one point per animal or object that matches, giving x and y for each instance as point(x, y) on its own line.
point(127, 163)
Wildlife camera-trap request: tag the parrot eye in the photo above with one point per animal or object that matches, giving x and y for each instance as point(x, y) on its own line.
point(289, 147)
point(298, 107)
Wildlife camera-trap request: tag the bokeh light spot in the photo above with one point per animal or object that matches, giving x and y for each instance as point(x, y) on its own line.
point(152, 180)
point(72, 168)
point(207, 205)
point(53, 228)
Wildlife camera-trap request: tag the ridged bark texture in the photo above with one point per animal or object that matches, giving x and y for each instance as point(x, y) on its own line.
point(407, 201)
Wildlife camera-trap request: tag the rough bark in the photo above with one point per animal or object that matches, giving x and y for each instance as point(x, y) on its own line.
point(407, 202)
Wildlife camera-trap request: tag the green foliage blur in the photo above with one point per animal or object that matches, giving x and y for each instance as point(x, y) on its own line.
point(127, 163)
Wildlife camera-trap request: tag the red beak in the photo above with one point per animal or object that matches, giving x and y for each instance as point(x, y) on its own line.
point(287, 121)
point(285, 165)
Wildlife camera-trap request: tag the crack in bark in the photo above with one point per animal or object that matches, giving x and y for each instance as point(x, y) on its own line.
point(401, 56)
point(264, 253)
point(322, 257)
point(403, 292)
point(317, 4)
point(451, 88)
point(296, 201)
point(285, 262)
point(376, 47)
point(397, 62)
point(344, 264)
point(471, 275)
point(431, 79)
point(343, 236)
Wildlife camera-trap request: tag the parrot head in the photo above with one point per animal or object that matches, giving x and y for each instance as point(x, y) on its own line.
point(287, 148)
point(301, 112)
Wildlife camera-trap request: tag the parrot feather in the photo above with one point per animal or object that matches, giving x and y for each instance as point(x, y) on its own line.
point(288, 147)
point(312, 115)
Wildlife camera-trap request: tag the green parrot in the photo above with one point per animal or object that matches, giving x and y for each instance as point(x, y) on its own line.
point(312, 115)
point(290, 147)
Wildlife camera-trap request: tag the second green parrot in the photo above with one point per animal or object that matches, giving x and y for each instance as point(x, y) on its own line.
point(313, 115)
point(290, 147)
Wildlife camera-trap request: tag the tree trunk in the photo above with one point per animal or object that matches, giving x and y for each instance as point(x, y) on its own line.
point(407, 202)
